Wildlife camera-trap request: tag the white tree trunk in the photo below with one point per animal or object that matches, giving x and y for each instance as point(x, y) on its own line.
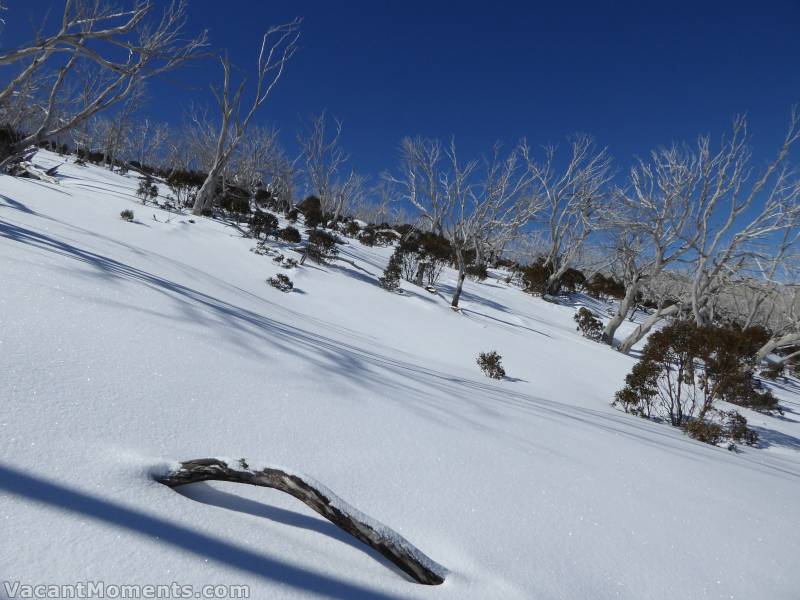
point(644, 328)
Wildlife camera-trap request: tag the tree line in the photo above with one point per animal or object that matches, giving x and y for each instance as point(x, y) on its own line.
point(698, 230)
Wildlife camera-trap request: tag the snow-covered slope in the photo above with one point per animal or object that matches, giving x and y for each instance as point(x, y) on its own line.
point(127, 346)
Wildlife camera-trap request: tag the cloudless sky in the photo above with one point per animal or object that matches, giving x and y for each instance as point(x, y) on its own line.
point(632, 74)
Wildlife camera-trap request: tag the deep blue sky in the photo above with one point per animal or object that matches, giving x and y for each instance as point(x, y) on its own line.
point(632, 74)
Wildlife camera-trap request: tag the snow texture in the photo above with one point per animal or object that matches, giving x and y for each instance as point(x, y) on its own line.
point(126, 347)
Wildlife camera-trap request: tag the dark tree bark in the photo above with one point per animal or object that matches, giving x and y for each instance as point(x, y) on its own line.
point(383, 539)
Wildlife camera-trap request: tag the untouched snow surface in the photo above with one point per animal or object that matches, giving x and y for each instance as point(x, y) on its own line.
point(125, 347)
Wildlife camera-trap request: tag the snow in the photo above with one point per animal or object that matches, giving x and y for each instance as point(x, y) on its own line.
point(127, 347)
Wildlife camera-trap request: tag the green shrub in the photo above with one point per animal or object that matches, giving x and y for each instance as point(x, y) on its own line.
point(262, 223)
point(391, 275)
point(126, 215)
point(589, 326)
point(281, 282)
point(289, 234)
point(321, 246)
point(704, 431)
point(479, 272)
point(489, 362)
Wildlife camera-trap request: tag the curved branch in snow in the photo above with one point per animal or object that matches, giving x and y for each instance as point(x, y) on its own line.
point(376, 535)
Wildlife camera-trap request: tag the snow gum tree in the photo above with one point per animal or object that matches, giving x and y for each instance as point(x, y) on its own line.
point(278, 45)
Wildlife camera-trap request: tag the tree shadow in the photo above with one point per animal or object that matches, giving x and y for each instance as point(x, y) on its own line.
point(770, 437)
point(415, 383)
point(162, 531)
point(11, 203)
point(509, 323)
point(204, 493)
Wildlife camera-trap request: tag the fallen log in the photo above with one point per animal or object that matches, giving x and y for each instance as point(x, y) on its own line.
point(385, 540)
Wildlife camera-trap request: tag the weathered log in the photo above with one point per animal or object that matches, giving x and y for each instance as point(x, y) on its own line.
point(385, 540)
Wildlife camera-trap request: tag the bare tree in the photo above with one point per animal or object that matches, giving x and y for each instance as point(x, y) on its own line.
point(419, 180)
point(148, 138)
point(324, 158)
point(262, 163)
point(471, 207)
point(277, 46)
point(92, 32)
point(571, 199)
point(738, 220)
point(649, 219)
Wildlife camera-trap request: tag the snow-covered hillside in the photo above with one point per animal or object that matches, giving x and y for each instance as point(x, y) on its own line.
point(125, 347)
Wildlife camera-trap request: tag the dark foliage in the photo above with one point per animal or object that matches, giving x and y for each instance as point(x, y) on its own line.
point(126, 215)
point(489, 362)
point(8, 138)
point(321, 246)
point(590, 326)
point(147, 190)
point(602, 286)
point(391, 274)
point(704, 431)
point(234, 200)
point(281, 282)
point(684, 369)
point(262, 223)
point(351, 229)
point(292, 214)
point(311, 208)
point(184, 185)
point(535, 276)
point(289, 234)
point(571, 279)
point(478, 272)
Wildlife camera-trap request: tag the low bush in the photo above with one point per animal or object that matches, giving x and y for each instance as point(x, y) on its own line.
point(126, 215)
point(737, 429)
point(478, 272)
point(311, 208)
point(489, 362)
point(704, 431)
point(281, 282)
point(262, 223)
point(289, 234)
point(391, 274)
point(590, 326)
point(321, 246)
point(351, 229)
point(147, 190)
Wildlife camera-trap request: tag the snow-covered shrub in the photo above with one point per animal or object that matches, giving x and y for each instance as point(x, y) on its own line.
point(292, 214)
point(391, 274)
point(281, 282)
point(126, 215)
point(590, 326)
point(289, 234)
point(147, 189)
point(489, 362)
point(262, 223)
point(321, 246)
